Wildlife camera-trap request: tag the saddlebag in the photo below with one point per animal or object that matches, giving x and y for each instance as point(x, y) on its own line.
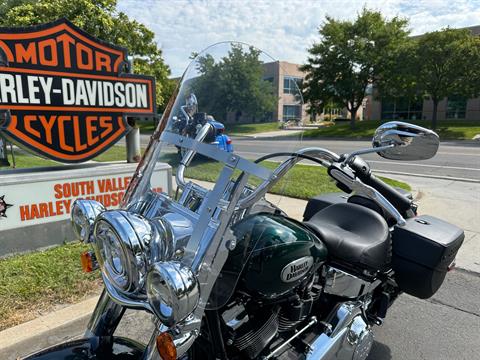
point(423, 250)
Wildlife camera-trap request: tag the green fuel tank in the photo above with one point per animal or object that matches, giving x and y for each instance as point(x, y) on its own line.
point(273, 254)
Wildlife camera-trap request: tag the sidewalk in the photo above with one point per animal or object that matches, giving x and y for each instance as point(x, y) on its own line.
point(46, 331)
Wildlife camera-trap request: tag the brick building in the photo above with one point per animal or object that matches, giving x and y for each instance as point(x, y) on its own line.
point(286, 79)
point(451, 108)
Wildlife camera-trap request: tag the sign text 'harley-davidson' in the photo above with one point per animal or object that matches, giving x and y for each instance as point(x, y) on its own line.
point(67, 94)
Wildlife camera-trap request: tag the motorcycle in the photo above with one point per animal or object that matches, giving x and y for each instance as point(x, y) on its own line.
point(226, 274)
point(190, 122)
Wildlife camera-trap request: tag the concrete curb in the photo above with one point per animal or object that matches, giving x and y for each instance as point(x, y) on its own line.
point(47, 330)
point(428, 176)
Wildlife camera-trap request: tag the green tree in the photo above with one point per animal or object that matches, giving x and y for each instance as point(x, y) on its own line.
point(446, 63)
point(99, 18)
point(351, 55)
point(234, 84)
point(398, 78)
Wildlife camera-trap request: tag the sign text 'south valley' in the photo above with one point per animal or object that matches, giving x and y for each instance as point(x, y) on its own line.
point(67, 93)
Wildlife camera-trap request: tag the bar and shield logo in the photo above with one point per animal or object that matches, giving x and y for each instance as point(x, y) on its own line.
point(3, 206)
point(66, 93)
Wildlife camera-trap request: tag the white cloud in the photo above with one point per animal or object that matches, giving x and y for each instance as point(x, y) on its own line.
point(284, 29)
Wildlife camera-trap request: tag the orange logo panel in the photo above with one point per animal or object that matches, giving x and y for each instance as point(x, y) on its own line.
point(65, 94)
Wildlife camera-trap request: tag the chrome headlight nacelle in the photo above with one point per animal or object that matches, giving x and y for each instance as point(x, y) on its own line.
point(82, 216)
point(133, 252)
point(126, 244)
point(136, 256)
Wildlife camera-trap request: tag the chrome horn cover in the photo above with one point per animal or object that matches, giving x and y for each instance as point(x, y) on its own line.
point(172, 291)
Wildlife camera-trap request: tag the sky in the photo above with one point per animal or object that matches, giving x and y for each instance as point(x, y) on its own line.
point(285, 29)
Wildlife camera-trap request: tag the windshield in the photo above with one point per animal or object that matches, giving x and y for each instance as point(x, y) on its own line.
point(252, 103)
point(233, 106)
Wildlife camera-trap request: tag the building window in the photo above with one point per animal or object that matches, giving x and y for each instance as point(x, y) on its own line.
point(456, 107)
point(292, 85)
point(401, 109)
point(291, 112)
point(269, 79)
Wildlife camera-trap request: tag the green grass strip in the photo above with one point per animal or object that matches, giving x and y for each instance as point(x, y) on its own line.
point(302, 182)
point(34, 283)
point(447, 130)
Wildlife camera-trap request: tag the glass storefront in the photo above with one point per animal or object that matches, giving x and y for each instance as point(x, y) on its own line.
point(291, 112)
point(456, 107)
point(401, 109)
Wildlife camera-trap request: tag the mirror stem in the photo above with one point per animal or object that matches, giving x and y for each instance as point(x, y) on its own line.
point(365, 151)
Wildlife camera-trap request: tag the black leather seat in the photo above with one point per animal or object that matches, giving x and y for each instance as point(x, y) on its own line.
point(354, 234)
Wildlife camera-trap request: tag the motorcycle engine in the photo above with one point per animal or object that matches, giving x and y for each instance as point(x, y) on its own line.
point(252, 325)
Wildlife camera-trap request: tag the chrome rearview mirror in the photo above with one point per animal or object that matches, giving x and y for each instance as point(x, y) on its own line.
point(407, 141)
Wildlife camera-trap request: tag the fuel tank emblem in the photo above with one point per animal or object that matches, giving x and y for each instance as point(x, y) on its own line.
point(296, 269)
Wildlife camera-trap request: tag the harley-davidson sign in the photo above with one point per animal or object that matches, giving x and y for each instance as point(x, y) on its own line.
point(66, 92)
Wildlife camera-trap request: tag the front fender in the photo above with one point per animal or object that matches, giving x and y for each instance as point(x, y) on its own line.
point(93, 348)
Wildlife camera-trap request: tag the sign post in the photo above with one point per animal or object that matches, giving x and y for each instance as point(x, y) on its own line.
point(3, 152)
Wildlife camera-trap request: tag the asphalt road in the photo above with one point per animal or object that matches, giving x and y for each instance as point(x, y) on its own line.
point(454, 160)
point(457, 160)
point(445, 327)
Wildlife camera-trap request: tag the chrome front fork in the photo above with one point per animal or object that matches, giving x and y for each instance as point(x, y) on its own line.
point(105, 317)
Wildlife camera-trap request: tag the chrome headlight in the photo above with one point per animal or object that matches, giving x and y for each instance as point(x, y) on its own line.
point(172, 291)
point(83, 216)
point(125, 244)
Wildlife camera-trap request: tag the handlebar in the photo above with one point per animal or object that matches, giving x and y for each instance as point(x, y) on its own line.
point(187, 158)
point(377, 190)
point(388, 198)
point(401, 202)
point(282, 169)
point(362, 171)
point(184, 112)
